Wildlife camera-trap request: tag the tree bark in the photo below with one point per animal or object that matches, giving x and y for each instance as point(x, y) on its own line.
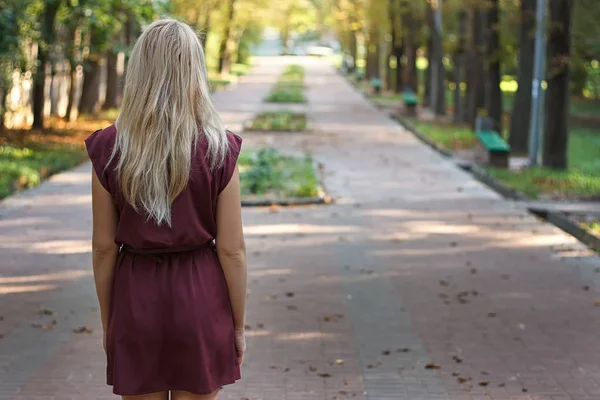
point(475, 69)
point(521, 112)
point(410, 49)
point(437, 100)
point(206, 29)
point(50, 8)
point(373, 54)
point(90, 91)
point(112, 81)
point(225, 49)
point(429, 55)
point(494, 94)
point(556, 127)
point(459, 68)
point(353, 50)
point(3, 96)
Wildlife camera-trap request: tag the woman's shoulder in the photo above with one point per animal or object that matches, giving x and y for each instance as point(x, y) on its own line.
point(102, 137)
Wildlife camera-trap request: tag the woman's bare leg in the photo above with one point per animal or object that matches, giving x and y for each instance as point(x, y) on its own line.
point(151, 396)
point(180, 395)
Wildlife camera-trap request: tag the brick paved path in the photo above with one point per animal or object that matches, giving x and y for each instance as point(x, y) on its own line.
point(417, 279)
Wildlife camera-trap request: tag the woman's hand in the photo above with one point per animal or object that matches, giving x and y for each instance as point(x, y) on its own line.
point(240, 344)
point(104, 342)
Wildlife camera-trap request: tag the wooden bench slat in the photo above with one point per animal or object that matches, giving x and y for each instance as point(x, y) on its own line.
point(493, 142)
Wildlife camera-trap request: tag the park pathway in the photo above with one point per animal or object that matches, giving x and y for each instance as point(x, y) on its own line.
point(418, 283)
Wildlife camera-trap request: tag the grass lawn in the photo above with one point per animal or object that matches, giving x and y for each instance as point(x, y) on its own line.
point(29, 156)
point(278, 121)
point(269, 174)
point(446, 135)
point(580, 180)
point(289, 88)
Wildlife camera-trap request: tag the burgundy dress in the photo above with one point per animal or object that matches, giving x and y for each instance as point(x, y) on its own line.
point(171, 323)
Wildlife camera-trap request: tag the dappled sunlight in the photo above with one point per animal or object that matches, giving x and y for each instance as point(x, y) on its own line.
point(23, 222)
point(62, 247)
point(284, 229)
point(441, 228)
point(12, 289)
point(534, 241)
point(269, 272)
point(53, 200)
point(257, 333)
point(72, 178)
point(303, 336)
point(49, 277)
point(366, 275)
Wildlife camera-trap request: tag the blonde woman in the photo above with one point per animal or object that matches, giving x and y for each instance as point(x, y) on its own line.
point(168, 248)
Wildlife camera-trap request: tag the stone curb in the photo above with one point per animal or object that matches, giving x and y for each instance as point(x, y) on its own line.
point(559, 220)
point(420, 135)
point(292, 201)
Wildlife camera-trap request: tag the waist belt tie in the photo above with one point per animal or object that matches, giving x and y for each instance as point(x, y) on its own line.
point(157, 254)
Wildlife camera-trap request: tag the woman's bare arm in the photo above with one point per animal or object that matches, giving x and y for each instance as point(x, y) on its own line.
point(231, 247)
point(104, 249)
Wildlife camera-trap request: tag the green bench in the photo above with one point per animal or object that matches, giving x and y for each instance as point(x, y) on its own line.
point(492, 149)
point(410, 101)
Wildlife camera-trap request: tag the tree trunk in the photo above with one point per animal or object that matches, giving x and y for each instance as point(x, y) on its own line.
point(225, 48)
point(112, 82)
point(373, 69)
point(3, 96)
point(437, 100)
point(459, 68)
point(410, 49)
point(556, 127)
point(54, 90)
point(44, 47)
point(475, 70)
point(521, 112)
point(90, 91)
point(39, 84)
point(353, 50)
point(72, 89)
point(396, 50)
point(494, 94)
point(429, 55)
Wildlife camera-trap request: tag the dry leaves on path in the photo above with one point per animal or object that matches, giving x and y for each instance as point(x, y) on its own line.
point(83, 329)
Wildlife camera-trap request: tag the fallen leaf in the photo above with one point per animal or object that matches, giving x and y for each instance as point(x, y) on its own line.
point(343, 392)
point(484, 383)
point(286, 370)
point(260, 326)
point(271, 297)
point(444, 283)
point(312, 368)
point(247, 327)
point(597, 270)
point(597, 303)
point(501, 384)
point(274, 208)
point(292, 307)
point(455, 374)
point(273, 366)
point(403, 350)
point(586, 288)
point(492, 314)
point(1, 318)
point(83, 329)
point(324, 375)
point(346, 382)
point(457, 359)
point(45, 311)
point(453, 244)
point(461, 380)
point(475, 293)
point(386, 352)
point(524, 390)
point(290, 294)
point(371, 366)
point(473, 271)
point(339, 361)
point(443, 295)
point(484, 373)
point(432, 366)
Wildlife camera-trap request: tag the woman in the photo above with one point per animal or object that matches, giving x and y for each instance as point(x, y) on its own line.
point(168, 248)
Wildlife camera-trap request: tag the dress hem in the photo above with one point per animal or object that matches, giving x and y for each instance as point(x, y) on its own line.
point(229, 382)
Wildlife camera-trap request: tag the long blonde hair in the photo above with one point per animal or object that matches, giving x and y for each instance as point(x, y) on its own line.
point(166, 111)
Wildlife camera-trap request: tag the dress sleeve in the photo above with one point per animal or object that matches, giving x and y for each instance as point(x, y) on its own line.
point(99, 155)
point(235, 145)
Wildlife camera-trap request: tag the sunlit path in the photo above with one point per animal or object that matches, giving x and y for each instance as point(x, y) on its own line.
point(419, 283)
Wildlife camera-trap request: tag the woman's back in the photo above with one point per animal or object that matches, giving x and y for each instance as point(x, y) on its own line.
point(193, 219)
point(168, 248)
